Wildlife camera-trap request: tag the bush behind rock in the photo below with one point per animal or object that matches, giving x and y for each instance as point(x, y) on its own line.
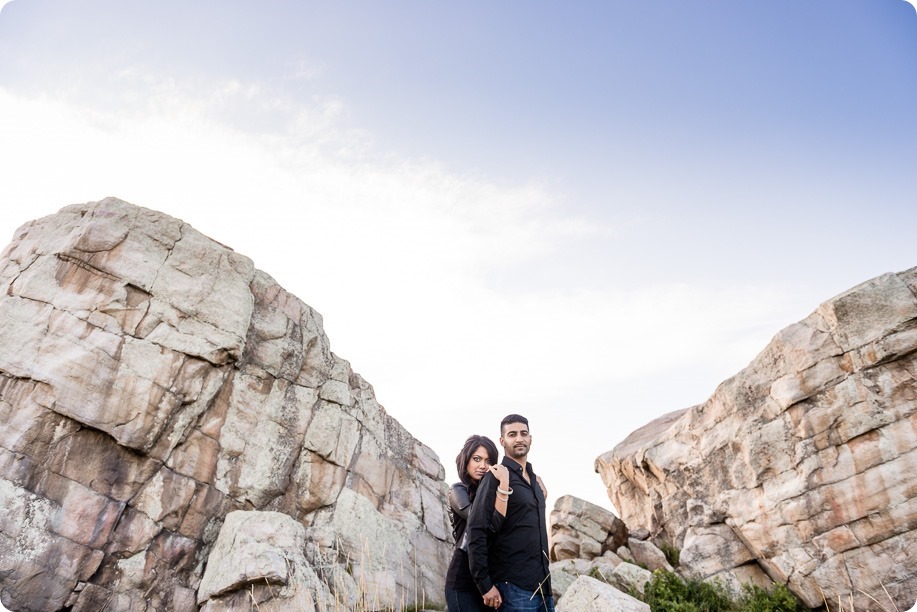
point(666, 592)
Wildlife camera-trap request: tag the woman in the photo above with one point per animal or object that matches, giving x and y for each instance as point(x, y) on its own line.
point(477, 457)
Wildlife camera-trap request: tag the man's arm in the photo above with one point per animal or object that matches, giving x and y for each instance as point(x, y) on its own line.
point(544, 489)
point(479, 522)
point(502, 499)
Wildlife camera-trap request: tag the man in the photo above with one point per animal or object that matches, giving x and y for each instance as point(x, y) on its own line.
point(510, 567)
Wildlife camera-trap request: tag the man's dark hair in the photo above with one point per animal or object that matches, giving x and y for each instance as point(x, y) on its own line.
point(461, 461)
point(512, 418)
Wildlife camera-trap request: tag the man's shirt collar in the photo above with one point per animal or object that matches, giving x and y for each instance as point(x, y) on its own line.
point(514, 465)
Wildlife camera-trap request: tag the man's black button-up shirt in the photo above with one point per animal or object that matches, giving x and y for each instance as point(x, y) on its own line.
point(518, 552)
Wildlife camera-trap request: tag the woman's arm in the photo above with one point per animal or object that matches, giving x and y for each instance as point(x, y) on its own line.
point(502, 475)
point(459, 501)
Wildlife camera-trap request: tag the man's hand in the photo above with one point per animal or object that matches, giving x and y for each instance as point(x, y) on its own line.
point(492, 598)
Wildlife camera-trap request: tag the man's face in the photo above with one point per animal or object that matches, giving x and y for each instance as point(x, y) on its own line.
point(516, 440)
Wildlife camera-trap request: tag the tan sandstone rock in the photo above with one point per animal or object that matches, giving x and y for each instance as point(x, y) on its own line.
point(804, 463)
point(648, 555)
point(564, 573)
point(582, 530)
point(590, 595)
point(632, 577)
point(152, 381)
point(261, 555)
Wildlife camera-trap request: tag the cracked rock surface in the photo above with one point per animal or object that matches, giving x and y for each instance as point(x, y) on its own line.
point(803, 466)
point(151, 382)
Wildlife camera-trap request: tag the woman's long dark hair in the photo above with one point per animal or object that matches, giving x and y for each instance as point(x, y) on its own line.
point(464, 456)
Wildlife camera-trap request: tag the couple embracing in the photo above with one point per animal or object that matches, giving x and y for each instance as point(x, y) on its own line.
point(498, 520)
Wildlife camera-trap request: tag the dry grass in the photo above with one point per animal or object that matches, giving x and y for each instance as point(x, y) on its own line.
point(335, 593)
point(849, 606)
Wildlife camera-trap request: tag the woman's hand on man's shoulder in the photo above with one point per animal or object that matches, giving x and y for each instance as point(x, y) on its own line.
point(501, 474)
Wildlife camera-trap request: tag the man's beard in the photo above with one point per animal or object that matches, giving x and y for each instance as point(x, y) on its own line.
point(514, 451)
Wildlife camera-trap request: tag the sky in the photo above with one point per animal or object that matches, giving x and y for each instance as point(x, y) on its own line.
point(588, 213)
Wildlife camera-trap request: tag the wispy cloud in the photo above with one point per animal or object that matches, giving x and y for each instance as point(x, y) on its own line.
point(407, 245)
point(400, 255)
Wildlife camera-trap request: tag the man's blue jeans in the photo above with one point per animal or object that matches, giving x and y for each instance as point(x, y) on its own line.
point(520, 600)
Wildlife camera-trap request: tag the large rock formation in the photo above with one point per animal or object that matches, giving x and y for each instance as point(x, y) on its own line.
point(581, 530)
point(151, 382)
point(803, 466)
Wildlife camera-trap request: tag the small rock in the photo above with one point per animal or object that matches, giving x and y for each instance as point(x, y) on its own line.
point(646, 553)
point(632, 576)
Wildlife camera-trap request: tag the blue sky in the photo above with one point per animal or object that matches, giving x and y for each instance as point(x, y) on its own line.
point(589, 213)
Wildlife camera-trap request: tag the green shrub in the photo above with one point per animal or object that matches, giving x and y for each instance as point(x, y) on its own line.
point(666, 592)
point(777, 599)
point(671, 553)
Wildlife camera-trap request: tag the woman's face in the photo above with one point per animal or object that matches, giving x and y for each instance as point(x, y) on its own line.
point(478, 464)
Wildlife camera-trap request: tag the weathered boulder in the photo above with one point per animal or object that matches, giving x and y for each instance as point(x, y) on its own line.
point(590, 595)
point(582, 530)
point(612, 557)
point(564, 573)
point(736, 579)
point(632, 577)
point(259, 557)
point(649, 555)
point(804, 463)
point(151, 382)
point(624, 554)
